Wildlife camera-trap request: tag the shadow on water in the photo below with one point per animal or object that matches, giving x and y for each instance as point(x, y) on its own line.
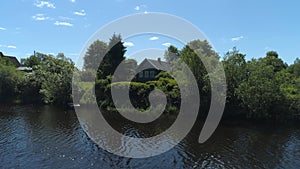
point(48, 137)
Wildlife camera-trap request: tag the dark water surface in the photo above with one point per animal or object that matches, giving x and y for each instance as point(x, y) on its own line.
point(47, 137)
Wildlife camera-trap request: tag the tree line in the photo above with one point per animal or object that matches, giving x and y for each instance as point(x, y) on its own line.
point(262, 88)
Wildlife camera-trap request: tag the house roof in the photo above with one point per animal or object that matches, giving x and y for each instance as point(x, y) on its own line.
point(154, 64)
point(13, 59)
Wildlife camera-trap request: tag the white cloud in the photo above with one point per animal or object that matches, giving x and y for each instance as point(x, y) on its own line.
point(8, 46)
point(2, 29)
point(237, 38)
point(166, 44)
point(80, 13)
point(11, 47)
point(137, 8)
point(128, 44)
point(140, 7)
point(58, 23)
point(41, 4)
point(154, 38)
point(40, 17)
point(146, 12)
point(73, 1)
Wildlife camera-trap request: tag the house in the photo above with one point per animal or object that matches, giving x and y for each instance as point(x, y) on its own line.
point(13, 59)
point(16, 63)
point(149, 68)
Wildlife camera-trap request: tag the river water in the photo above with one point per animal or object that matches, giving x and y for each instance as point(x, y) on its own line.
point(48, 137)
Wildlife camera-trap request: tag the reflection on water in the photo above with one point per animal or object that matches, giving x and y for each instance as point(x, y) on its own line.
point(46, 137)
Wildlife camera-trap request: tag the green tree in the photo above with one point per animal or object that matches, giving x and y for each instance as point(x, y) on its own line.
point(54, 75)
point(273, 59)
point(262, 92)
point(130, 66)
point(200, 58)
point(295, 68)
point(172, 53)
point(9, 81)
point(114, 56)
point(95, 53)
point(236, 73)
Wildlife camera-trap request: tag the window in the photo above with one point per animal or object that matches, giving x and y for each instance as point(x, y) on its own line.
point(146, 74)
point(152, 74)
point(141, 75)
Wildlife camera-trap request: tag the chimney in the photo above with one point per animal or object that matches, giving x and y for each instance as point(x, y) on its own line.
point(159, 60)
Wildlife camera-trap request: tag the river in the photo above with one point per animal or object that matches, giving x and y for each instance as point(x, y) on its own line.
point(48, 137)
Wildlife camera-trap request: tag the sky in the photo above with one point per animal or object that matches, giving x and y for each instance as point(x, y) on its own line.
point(53, 26)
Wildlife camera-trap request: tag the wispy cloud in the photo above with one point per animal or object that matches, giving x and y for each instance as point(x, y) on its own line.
point(137, 8)
point(11, 47)
point(237, 38)
point(73, 1)
point(128, 44)
point(41, 4)
point(80, 13)
point(140, 7)
point(166, 44)
point(58, 23)
point(154, 38)
point(40, 17)
point(2, 29)
point(8, 46)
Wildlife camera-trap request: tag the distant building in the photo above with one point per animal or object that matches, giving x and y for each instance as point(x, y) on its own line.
point(16, 63)
point(149, 68)
point(13, 59)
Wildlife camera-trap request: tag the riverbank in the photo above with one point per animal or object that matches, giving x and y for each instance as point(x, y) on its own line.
point(113, 114)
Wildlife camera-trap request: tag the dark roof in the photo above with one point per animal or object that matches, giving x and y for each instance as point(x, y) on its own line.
point(13, 59)
point(156, 64)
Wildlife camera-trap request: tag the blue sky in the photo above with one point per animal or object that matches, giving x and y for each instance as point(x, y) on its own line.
point(52, 26)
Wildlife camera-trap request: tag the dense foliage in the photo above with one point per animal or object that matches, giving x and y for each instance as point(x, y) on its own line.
point(262, 88)
point(49, 82)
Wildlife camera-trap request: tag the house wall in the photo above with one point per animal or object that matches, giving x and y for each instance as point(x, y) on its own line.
point(147, 75)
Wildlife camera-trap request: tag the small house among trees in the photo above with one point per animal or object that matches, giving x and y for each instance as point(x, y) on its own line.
point(149, 68)
point(16, 63)
point(13, 59)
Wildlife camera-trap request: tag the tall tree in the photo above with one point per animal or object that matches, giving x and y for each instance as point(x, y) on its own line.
point(114, 56)
point(262, 92)
point(172, 53)
point(9, 80)
point(95, 53)
point(273, 59)
point(191, 55)
point(235, 70)
point(55, 78)
point(295, 68)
